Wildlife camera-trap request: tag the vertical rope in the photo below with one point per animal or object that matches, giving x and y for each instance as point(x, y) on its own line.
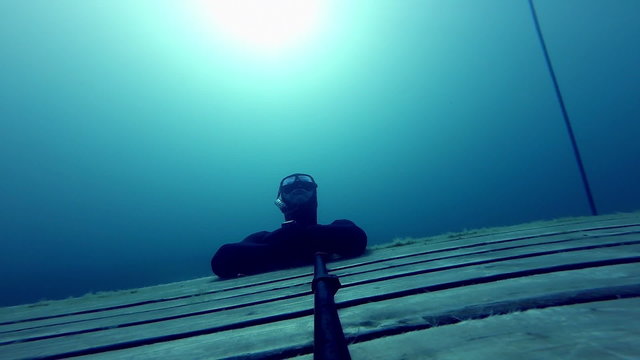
point(565, 115)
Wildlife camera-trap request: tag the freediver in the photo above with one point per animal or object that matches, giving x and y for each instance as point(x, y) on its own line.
point(296, 241)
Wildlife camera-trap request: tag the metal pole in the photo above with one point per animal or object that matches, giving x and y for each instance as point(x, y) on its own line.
point(565, 115)
point(328, 338)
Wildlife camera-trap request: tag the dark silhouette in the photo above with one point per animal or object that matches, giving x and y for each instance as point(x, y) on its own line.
point(296, 241)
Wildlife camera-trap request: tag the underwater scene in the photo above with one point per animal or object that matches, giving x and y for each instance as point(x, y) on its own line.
point(136, 138)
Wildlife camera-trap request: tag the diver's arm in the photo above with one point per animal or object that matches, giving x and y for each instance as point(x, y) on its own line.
point(289, 246)
point(245, 258)
point(257, 253)
point(341, 237)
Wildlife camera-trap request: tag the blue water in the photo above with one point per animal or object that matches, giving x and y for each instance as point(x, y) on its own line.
point(133, 143)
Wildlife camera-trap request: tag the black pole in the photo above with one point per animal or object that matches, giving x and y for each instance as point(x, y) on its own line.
point(328, 338)
point(567, 122)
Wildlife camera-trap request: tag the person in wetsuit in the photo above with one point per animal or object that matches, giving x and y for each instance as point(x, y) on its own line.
point(296, 241)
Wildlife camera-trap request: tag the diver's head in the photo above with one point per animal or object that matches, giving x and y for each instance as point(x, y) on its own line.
point(297, 198)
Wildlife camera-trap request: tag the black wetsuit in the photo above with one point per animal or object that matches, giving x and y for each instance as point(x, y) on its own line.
point(291, 245)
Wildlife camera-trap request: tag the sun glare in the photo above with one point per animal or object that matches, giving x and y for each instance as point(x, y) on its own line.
point(267, 27)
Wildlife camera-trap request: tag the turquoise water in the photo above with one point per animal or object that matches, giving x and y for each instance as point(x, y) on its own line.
point(137, 138)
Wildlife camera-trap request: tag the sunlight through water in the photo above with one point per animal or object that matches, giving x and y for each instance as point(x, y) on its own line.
point(266, 28)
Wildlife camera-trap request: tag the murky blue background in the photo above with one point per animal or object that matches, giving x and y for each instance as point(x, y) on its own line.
point(133, 144)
